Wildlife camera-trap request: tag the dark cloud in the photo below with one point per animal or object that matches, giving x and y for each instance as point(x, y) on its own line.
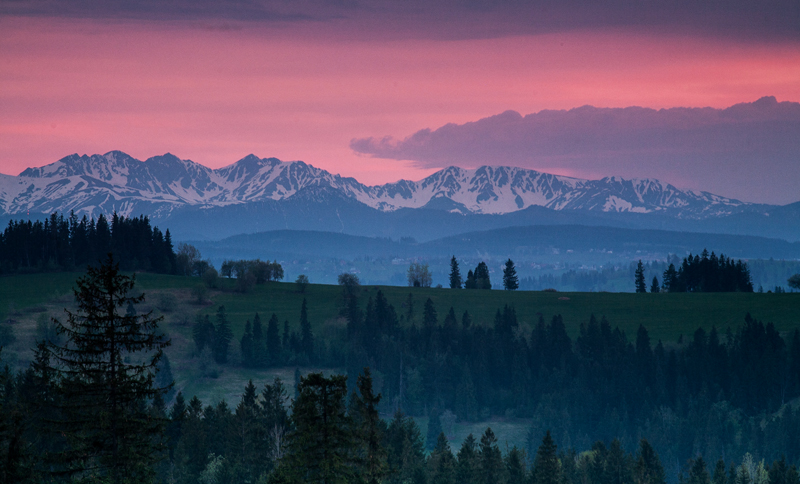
point(745, 19)
point(749, 151)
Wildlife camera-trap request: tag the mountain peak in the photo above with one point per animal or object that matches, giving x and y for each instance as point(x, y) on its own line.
point(116, 181)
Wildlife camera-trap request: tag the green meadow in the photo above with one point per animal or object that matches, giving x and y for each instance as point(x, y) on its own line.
point(26, 299)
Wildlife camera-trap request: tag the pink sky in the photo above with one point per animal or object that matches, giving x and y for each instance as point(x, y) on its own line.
point(216, 95)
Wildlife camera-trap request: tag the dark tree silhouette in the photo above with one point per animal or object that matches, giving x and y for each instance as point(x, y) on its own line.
point(103, 389)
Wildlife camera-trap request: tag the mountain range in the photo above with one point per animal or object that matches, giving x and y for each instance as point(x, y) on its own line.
point(257, 194)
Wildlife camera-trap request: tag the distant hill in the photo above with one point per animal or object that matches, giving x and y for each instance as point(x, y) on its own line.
point(540, 243)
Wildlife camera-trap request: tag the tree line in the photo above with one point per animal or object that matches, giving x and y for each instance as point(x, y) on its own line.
point(700, 273)
point(69, 243)
point(700, 394)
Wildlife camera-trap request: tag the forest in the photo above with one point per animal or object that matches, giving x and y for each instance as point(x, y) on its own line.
point(60, 243)
point(602, 408)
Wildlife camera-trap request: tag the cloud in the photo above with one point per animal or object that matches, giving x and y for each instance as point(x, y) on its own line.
point(750, 151)
point(744, 19)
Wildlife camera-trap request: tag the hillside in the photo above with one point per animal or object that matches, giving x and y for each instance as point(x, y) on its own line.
point(666, 316)
point(31, 299)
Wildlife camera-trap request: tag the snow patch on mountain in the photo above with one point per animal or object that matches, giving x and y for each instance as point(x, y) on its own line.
point(118, 182)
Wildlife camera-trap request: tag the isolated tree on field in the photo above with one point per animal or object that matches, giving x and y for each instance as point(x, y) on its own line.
point(641, 286)
point(510, 279)
point(107, 372)
point(302, 283)
point(455, 274)
point(794, 282)
point(469, 283)
point(654, 287)
point(419, 275)
point(482, 276)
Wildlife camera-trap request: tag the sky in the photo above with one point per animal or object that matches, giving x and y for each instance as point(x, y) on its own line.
point(385, 90)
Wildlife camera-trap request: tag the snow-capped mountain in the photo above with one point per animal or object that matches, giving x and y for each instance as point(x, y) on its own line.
point(117, 182)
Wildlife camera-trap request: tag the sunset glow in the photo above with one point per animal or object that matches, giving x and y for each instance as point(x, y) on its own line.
point(213, 95)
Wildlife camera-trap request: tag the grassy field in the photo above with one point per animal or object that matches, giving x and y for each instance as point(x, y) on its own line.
point(666, 316)
point(24, 299)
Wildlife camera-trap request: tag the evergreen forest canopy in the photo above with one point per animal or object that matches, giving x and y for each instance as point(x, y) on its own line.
point(708, 273)
point(698, 397)
point(60, 243)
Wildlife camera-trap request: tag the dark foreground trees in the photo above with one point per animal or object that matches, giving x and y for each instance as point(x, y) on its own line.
point(105, 375)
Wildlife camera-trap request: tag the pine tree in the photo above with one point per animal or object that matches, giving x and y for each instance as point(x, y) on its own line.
point(467, 468)
point(546, 469)
point(639, 279)
point(648, 468)
point(720, 476)
point(441, 463)
point(698, 474)
point(482, 276)
point(470, 283)
point(246, 346)
point(222, 337)
point(307, 337)
point(455, 274)
point(434, 429)
point(654, 287)
point(510, 279)
point(515, 466)
point(109, 431)
point(369, 432)
point(273, 341)
point(490, 459)
point(260, 358)
point(319, 448)
point(406, 449)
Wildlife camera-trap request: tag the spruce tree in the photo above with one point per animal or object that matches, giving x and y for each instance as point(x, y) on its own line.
point(222, 337)
point(648, 468)
point(490, 459)
point(273, 342)
point(546, 469)
point(515, 466)
point(107, 371)
point(455, 274)
point(482, 276)
point(510, 279)
point(441, 463)
point(307, 337)
point(669, 279)
point(720, 476)
point(698, 474)
point(246, 346)
point(260, 358)
point(434, 429)
point(654, 287)
point(319, 448)
point(639, 278)
point(372, 455)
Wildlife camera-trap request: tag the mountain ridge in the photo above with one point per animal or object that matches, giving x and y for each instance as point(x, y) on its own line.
point(161, 184)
